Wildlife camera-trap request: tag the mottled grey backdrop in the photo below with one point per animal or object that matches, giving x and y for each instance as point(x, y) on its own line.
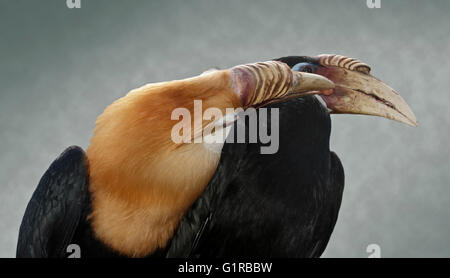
point(59, 68)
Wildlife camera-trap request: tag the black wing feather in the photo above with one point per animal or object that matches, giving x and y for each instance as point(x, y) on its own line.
point(56, 207)
point(333, 193)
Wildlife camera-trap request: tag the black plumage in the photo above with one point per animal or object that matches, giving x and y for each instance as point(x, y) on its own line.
point(56, 208)
point(280, 205)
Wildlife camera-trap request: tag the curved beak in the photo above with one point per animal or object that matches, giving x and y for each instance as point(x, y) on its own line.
point(358, 92)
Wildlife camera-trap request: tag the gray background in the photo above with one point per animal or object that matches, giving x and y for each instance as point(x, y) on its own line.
point(59, 68)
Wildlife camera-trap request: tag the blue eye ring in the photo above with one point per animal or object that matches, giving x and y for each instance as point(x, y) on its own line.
point(305, 67)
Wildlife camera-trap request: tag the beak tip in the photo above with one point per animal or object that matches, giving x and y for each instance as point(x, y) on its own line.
point(411, 117)
point(410, 121)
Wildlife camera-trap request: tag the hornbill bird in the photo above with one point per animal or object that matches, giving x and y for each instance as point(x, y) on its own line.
point(136, 192)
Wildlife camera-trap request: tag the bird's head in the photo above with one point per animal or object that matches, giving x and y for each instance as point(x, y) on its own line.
point(356, 90)
point(142, 181)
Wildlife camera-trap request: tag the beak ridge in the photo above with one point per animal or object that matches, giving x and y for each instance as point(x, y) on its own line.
point(267, 82)
point(308, 82)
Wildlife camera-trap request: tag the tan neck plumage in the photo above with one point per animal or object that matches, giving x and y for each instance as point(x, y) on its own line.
point(142, 182)
point(139, 188)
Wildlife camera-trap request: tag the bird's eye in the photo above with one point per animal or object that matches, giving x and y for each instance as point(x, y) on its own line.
point(305, 67)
